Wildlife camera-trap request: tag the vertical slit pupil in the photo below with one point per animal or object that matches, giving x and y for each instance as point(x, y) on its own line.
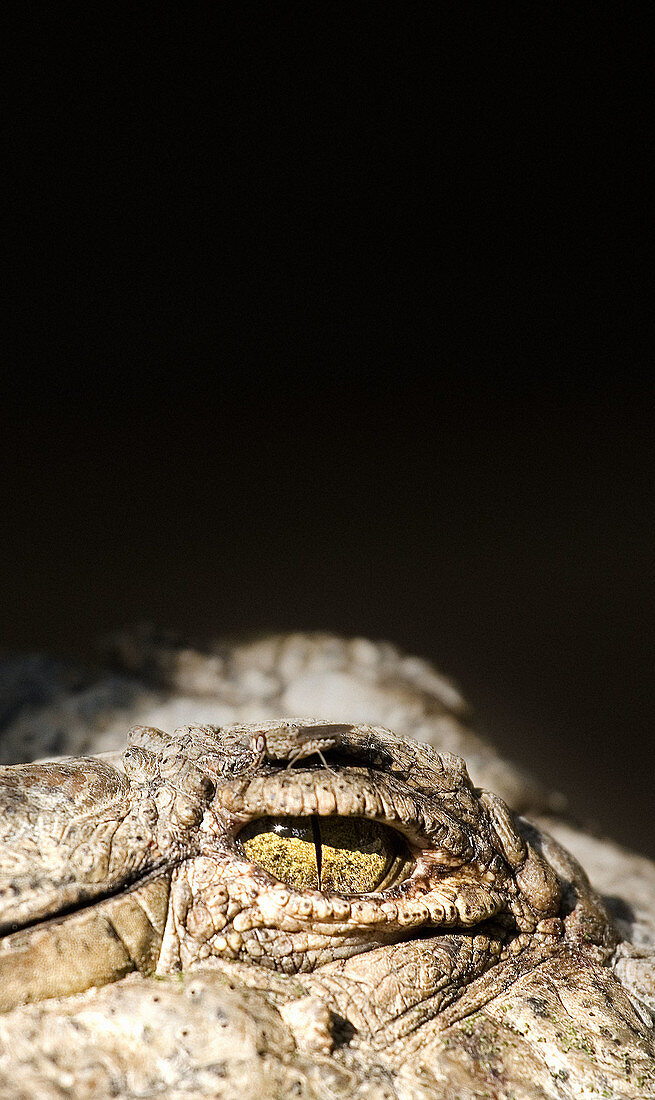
point(316, 833)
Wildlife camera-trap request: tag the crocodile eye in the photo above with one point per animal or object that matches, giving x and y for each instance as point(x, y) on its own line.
point(347, 855)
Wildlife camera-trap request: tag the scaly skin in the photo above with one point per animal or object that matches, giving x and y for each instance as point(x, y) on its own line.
point(477, 882)
point(105, 872)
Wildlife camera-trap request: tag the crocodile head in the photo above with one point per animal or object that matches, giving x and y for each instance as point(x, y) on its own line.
point(334, 860)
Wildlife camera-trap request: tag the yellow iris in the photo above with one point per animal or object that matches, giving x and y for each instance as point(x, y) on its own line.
point(347, 855)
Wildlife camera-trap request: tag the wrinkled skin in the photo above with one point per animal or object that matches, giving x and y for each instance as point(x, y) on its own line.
point(485, 941)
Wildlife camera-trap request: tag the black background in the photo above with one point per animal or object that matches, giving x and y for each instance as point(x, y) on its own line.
point(331, 320)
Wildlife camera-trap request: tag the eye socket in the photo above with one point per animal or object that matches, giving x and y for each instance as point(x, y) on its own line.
point(347, 855)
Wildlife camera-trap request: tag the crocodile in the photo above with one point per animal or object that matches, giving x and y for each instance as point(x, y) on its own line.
point(300, 907)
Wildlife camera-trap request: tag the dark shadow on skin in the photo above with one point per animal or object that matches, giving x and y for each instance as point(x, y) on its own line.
point(619, 908)
point(343, 1032)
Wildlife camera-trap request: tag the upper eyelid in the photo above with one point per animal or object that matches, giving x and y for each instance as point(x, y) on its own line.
point(256, 799)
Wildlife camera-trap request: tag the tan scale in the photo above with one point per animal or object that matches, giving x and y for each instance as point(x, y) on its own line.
point(96, 945)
